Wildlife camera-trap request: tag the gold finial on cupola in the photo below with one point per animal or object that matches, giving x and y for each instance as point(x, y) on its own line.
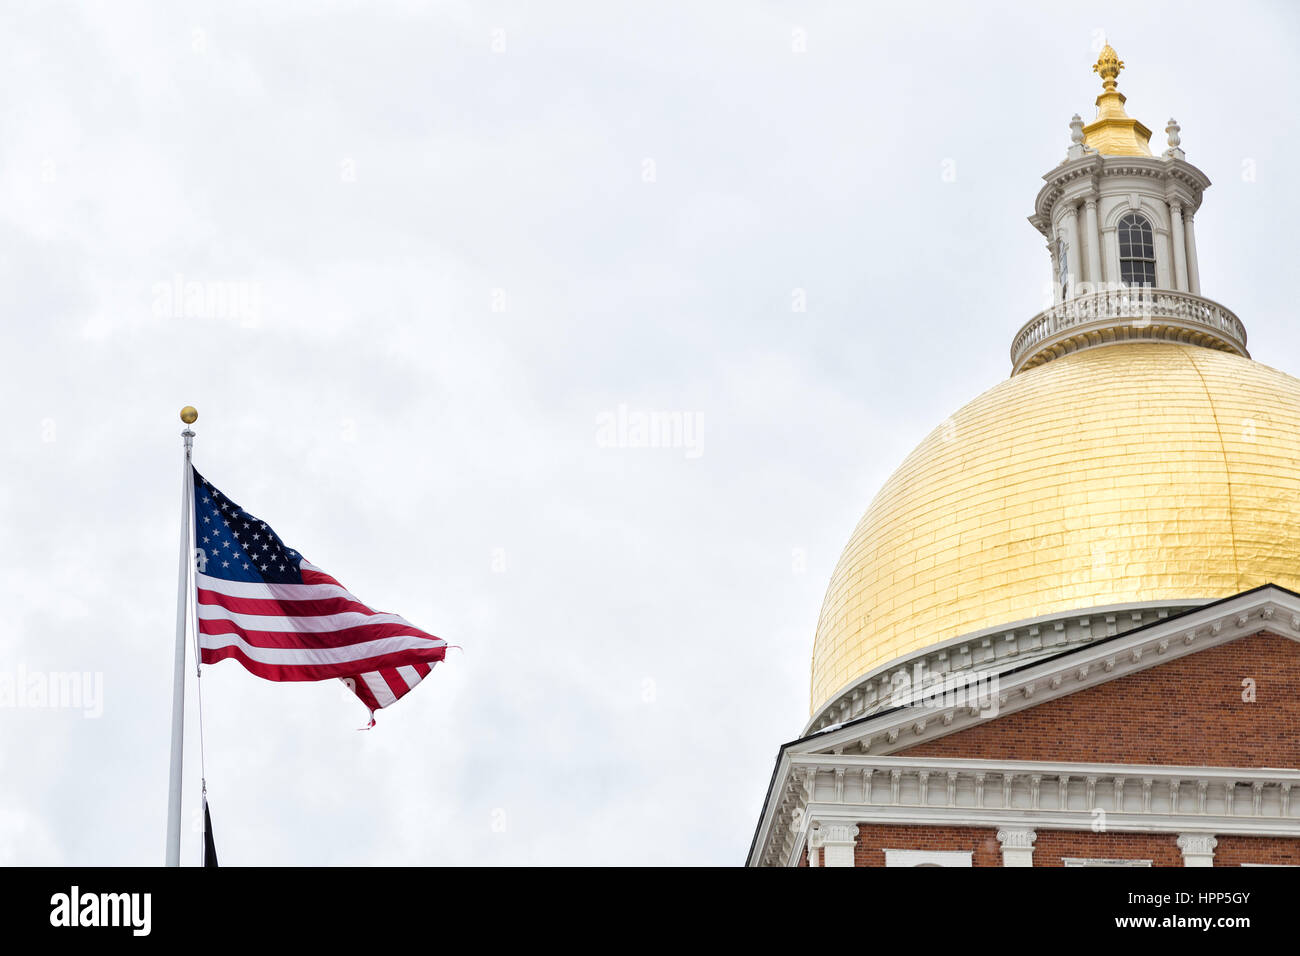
point(1108, 65)
point(1114, 132)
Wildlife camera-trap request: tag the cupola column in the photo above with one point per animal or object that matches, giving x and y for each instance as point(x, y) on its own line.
point(1073, 254)
point(1193, 270)
point(1178, 239)
point(1057, 296)
point(1094, 244)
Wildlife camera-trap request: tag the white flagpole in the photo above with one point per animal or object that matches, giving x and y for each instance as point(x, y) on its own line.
point(189, 416)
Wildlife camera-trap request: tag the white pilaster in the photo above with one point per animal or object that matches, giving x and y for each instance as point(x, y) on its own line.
point(1178, 239)
point(1109, 257)
point(1017, 847)
point(1094, 244)
point(1073, 253)
point(1164, 259)
point(839, 841)
point(1198, 848)
point(1193, 270)
point(1056, 271)
point(814, 846)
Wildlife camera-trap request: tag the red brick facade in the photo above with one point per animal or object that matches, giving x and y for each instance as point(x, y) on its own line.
point(1236, 850)
point(1189, 712)
point(874, 839)
point(1050, 849)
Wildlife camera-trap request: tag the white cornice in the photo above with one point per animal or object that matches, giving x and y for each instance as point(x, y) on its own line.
point(1002, 647)
point(1176, 176)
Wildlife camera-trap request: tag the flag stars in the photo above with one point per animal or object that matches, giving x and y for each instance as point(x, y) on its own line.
point(240, 547)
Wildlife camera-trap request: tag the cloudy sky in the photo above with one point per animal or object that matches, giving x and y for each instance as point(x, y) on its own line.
point(423, 268)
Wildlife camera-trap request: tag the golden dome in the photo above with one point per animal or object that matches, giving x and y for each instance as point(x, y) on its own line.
point(1123, 473)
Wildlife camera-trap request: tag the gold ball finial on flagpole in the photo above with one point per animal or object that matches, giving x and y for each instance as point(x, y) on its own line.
point(189, 414)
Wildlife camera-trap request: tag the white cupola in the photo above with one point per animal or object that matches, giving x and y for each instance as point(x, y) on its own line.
point(1119, 224)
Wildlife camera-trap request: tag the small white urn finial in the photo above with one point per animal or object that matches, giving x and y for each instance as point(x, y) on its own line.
point(1173, 129)
point(1078, 147)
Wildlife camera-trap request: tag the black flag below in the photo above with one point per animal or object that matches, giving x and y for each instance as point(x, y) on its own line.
point(209, 845)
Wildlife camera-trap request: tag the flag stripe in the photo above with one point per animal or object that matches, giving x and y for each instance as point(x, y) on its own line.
point(382, 690)
point(281, 606)
point(319, 623)
point(362, 690)
point(395, 681)
point(417, 648)
point(314, 575)
point(217, 630)
point(273, 590)
point(303, 672)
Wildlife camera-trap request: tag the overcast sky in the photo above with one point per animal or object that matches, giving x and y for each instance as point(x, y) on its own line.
point(434, 262)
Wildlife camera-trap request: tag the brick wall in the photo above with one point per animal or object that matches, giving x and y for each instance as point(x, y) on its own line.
point(1236, 850)
point(1050, 848)
point(1189, 711)
point(874, 839)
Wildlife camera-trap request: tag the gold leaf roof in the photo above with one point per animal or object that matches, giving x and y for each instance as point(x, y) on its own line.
point(1123, 473)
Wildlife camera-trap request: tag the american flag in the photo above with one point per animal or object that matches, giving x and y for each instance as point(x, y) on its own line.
point(263, 604)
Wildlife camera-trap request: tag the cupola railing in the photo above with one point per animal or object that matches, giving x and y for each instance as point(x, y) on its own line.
point(1126, 314)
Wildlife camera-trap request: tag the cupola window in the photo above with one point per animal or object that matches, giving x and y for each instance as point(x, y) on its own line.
point(1137, 251)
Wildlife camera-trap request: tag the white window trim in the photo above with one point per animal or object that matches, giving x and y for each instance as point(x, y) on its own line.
point(1101, 861)
point(927, 857)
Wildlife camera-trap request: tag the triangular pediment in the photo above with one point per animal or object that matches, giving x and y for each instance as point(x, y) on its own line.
point(976, 697)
